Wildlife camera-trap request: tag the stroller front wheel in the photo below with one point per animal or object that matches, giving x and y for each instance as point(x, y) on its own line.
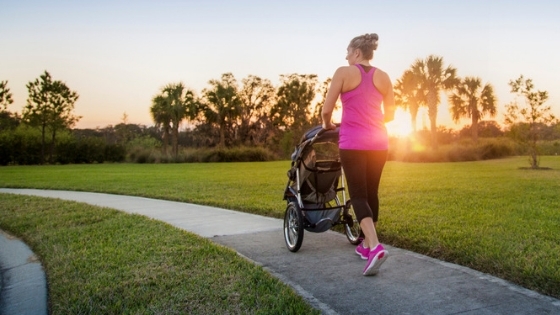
point(293, 227)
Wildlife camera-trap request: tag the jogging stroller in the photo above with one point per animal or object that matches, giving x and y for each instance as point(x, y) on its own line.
point(314, 190)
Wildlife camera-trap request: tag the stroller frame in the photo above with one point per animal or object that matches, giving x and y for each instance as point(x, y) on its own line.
point(321, 208)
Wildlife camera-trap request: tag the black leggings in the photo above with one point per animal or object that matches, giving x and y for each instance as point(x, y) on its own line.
point(363, 172)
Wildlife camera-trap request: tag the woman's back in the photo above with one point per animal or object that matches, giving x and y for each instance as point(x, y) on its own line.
point(362, 126)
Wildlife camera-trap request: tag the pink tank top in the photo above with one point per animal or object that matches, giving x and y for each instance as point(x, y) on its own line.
point(362, 126)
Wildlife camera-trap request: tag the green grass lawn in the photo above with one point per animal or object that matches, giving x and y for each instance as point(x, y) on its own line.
point(103, 261)
point(489, 215)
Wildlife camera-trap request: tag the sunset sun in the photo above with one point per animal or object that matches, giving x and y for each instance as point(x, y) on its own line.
point(401, 125)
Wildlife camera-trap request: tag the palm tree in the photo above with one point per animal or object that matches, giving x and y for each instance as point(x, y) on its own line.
point(410, 95)
point(182, 104)
point(171, 107)
point(472, 100)
point(223, 104)
point(434, 79)
point(162, 118)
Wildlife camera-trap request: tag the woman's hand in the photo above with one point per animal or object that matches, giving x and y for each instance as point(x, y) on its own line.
point(329, 126)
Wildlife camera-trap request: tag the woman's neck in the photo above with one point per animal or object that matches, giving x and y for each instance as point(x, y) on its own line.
point(363, 63)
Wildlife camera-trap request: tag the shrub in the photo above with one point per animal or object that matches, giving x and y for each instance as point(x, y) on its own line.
point(139, 154)
point(115, 153)
point(496, 148)
point(409, 150)
point(24, 145)
point(145, 142)
point(82, 150)
point(145, 149)
point(549, 147)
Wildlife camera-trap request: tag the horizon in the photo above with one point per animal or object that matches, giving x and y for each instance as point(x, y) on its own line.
point(117, 56)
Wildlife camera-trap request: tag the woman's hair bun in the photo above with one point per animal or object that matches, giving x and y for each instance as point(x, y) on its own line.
point(367, 43)
point(373, 37)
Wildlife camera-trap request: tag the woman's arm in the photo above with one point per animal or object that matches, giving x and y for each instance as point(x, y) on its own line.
point(383, 84)
point(332, 96)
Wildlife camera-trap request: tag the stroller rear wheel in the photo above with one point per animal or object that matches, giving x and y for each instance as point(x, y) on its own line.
point(351, 224)
point(293, 227)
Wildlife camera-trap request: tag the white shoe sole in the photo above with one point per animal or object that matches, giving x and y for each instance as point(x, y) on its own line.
point(373, 267)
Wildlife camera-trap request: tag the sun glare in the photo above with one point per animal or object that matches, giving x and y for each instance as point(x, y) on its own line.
point(401, 125)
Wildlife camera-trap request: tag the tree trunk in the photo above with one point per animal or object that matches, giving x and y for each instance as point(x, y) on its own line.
point(165, 140)
point(222, 136)
point(175, 141)
point(43, 127)
point(534, 159)
point(474, 128)
point(432, 114)
point(413, 115)
point(222, 126)
point(433, 128)
point(52, 146)
point(534, 156)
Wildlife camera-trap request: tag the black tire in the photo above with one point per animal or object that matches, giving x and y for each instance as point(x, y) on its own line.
point(293, 227)
point(351, 225)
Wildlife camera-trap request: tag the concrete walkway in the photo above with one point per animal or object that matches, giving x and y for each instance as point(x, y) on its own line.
point(325, 271)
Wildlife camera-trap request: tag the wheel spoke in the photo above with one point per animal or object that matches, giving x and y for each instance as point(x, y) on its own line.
point(293, 233)
point(352, 233)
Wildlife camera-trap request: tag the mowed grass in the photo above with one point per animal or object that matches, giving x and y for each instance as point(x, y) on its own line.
point(251, 187)
point(102, 261)
point(491, 215)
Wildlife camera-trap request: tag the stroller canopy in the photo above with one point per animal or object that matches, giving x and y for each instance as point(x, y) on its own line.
point(315, 135)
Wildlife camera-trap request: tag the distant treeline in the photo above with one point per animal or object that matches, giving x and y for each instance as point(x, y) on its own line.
point(141, 144)
point(254, 120)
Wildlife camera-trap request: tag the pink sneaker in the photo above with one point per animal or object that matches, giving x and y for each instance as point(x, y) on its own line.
point(362, 251)
point(376, 258)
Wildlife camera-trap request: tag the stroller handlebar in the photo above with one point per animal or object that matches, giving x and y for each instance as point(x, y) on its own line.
point(323, 131)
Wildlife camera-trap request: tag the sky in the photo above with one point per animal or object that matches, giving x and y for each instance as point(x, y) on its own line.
point(117, 55)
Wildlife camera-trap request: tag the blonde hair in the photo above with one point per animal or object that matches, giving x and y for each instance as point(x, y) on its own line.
point(366, 43)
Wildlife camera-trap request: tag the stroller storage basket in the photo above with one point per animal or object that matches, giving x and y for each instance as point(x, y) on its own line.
point(318, 182)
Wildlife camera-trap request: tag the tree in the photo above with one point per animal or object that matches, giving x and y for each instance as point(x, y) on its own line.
point(486, 129)
point(49, 106)
point(316, 118)
point(5, 96)
point(170, 108)
point(410, 95)
point(181, 104)
point(222, 105)
point(7, 120)
point(472, 100)
point(293, 107)
point(434, 78)
point(256, 97)
point(525, 122)
point(124, 132)
point(162, 118)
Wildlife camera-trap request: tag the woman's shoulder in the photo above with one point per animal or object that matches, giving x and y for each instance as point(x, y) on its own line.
point(343, 68)
point(346, 71)
point(382, 81)
point(381, 73)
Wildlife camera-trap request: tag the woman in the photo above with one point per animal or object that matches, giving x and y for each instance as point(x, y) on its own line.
point(363, 141)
